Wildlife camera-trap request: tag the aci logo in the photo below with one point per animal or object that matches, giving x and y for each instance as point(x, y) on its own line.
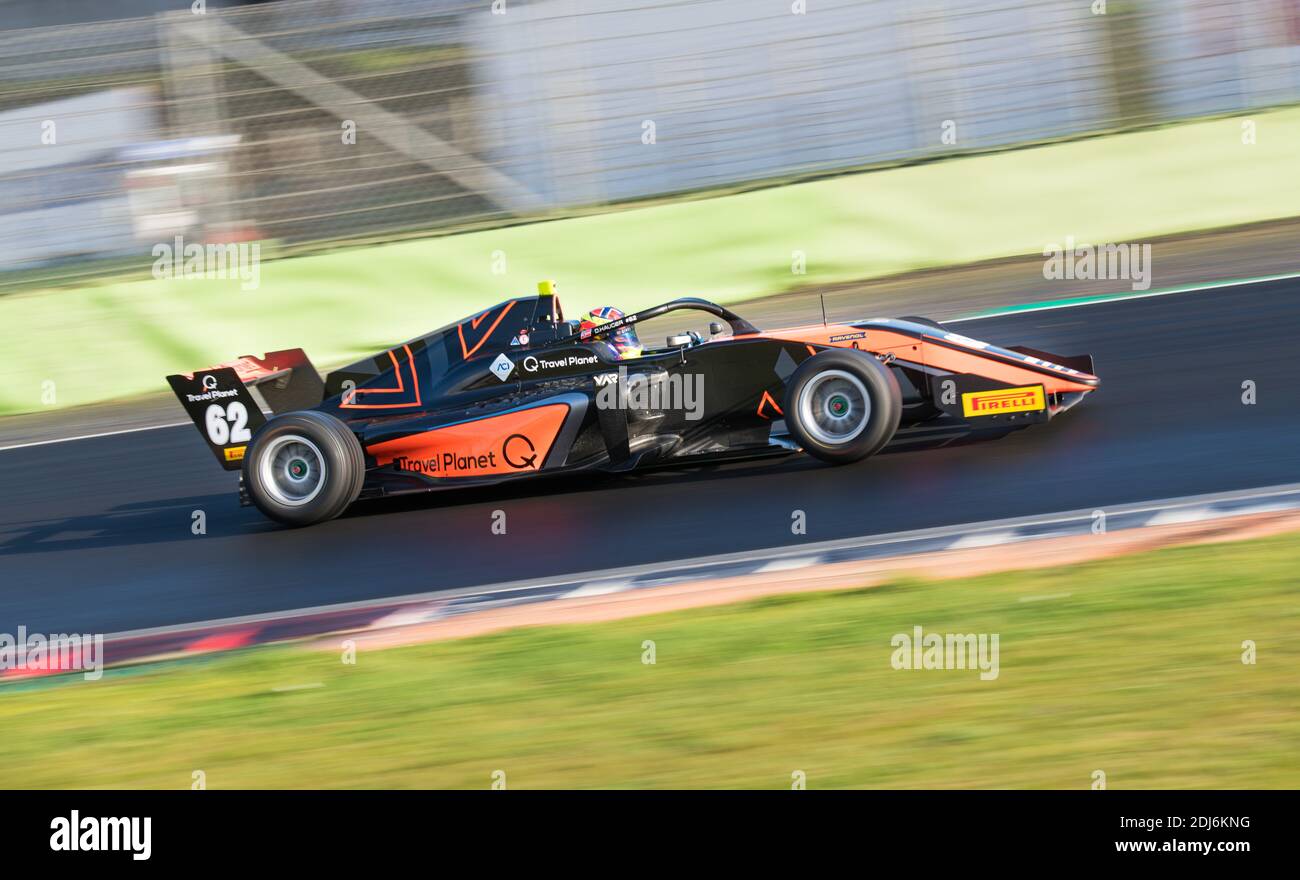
point(502, 367)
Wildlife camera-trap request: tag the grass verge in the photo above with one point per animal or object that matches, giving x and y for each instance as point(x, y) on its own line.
point(1132, 666)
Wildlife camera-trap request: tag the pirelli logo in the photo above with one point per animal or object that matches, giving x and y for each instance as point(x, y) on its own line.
point(1003, 400)
point(234, 453)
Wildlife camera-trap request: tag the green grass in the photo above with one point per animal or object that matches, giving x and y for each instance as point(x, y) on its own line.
point(106, 341)
point(1137, 673)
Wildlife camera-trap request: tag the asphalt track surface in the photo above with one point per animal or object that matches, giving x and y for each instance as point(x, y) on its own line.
point(95, 535)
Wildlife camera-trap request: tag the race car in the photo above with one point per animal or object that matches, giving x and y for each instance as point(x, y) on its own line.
point(517, 392)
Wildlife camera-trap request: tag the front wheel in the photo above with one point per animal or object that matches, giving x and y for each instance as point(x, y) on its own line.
point(304, 468)
point(842, 405)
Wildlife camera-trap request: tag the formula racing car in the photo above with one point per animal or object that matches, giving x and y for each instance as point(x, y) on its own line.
point(516, 392)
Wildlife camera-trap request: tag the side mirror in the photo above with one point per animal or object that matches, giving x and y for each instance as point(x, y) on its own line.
point(714, 328)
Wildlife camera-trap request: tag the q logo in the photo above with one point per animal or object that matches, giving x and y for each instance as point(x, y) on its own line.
point(526, 458)
point(209, 382)
point(530, 364)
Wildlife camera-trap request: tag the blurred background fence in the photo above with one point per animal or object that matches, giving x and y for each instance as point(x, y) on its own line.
point(314, 122)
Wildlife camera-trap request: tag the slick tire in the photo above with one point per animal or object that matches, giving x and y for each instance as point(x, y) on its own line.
point(303, 468)
point(842, 405)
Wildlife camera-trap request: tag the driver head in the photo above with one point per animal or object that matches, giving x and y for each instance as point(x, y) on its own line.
point(624, 342)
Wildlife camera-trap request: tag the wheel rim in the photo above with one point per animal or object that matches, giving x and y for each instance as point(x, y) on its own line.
point(834, 407)
point(293, 470)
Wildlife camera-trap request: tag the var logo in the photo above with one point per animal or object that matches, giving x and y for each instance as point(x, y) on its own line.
point(606, 379)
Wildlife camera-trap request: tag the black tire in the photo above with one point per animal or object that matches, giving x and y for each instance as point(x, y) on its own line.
point(929, 322)
point(811, 394)
point(320, 448)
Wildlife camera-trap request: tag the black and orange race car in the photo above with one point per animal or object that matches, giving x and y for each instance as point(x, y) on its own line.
point(516, 391)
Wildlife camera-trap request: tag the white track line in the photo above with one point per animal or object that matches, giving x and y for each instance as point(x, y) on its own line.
point(92, 436)
point(1104, 298)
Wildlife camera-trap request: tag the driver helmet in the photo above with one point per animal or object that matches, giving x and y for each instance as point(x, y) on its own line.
point(624, 342)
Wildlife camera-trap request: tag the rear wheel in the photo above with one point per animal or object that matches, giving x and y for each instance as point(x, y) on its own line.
point(842, 405)
point(304, 468)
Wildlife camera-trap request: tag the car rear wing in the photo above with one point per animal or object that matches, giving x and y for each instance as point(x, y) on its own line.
point(221, 402)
